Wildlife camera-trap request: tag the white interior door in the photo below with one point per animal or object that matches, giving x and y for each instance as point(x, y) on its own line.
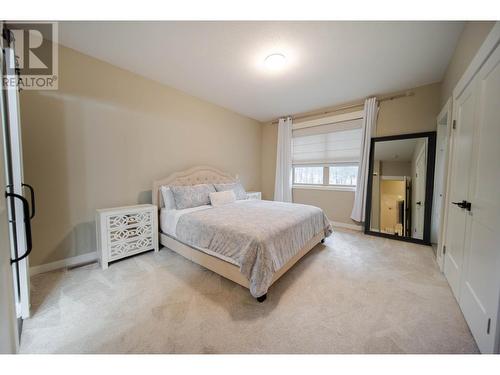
point(459, 187)
point(439, 181)
point(19, 230)
point(480, 282)
point(419, 186)
point(9, 339)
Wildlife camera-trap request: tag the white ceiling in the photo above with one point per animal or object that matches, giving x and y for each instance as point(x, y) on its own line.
point(328, 63)
point(398, 150)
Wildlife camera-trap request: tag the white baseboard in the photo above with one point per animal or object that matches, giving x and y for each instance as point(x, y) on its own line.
point(63, 263)
point(339, 224)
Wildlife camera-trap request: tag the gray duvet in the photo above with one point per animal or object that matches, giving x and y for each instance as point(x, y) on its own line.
point(260, 236)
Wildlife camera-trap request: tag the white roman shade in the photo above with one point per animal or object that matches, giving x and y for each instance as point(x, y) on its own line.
point(338, 142)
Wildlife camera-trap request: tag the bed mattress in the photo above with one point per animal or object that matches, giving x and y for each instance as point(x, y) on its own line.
point(257, 236)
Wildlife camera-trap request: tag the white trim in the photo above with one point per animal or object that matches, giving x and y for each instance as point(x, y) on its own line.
point(447, 110)
point(339, 224)
point(488, 46)
point(325, 187)
point(63, 263)
point(329, 120)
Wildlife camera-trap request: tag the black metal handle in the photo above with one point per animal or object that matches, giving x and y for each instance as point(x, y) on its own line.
point(419, 203)
point(463, 204)
point(27, 226)
point(32, 194)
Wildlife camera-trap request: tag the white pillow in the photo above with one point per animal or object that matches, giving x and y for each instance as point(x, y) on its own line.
point(222, 197)
point(168, 198)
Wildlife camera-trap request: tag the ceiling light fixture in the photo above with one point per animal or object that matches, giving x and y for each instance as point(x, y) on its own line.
point(275, 62)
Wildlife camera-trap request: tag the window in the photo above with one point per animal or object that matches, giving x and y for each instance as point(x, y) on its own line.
point(327, 175)
point(308, 175)
point(327, 155)
point(343, 175)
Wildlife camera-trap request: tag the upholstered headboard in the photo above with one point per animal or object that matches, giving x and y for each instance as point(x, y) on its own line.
point(191, 176)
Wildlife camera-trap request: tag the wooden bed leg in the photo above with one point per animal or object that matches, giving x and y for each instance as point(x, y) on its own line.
point(262, 298)
point(323, 240)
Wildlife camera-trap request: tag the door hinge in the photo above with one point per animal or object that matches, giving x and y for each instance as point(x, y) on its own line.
point(488, 328)
point(444, 250)
point(454, 124)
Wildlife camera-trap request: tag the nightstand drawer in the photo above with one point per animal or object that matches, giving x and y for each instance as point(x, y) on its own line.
point(130, 233)
point(121, 249)
point(129, 220)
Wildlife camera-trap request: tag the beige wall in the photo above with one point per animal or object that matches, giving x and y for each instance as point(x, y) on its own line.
point(471, 39)
point(336, 204)
point(105, 135)
point(411, 114)
point(395, 168)
point(269, 144)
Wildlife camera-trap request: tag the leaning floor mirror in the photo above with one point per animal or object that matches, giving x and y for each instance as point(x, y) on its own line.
point(400, 184)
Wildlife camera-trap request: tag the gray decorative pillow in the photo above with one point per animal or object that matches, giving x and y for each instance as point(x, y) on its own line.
point(192, 196)
point(238, 189)
point(168, 198)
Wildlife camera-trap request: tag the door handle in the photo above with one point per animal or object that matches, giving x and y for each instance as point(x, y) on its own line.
point(419, 203)
point(463, 204)
point(27, 226)
point(32, 194)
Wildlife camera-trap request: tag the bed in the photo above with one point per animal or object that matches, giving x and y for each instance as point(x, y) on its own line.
point(251, 242)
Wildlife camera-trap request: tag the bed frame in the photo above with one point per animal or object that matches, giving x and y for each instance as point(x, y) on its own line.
point(210, 175)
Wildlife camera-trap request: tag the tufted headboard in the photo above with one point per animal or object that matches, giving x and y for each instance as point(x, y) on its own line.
point(191, 176)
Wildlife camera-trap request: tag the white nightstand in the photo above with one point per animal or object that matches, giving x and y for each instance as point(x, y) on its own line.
point(125, 231)
point(254, 195)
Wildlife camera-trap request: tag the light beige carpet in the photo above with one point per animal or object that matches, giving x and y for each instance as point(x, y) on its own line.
point(355, 294)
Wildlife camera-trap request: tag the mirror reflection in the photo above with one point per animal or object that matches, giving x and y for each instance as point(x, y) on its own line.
point(398, 187)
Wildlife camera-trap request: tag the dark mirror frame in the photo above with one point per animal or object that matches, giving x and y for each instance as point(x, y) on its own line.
point(431, 156)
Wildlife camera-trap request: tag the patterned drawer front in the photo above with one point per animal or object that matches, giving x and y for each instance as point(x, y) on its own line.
point(120, 249)
point(126, 220)
point(125, 234)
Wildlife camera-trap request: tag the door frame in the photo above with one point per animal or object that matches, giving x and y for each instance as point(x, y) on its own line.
point(445, 118)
